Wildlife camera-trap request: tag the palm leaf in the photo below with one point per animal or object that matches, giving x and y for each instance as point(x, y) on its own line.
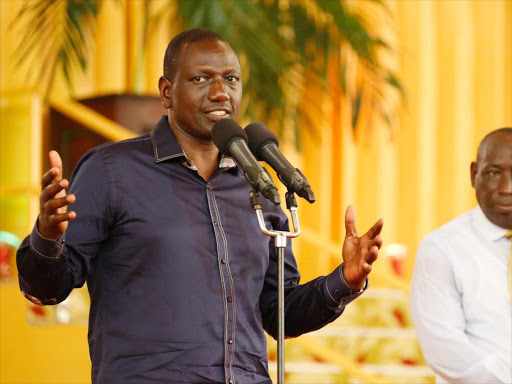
point(56, 31)
point(284, 46)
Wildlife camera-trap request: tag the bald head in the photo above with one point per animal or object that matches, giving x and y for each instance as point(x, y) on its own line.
point(491, 176)
point(494, 134)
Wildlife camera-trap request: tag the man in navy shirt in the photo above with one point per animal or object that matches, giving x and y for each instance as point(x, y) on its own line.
point(182, 282)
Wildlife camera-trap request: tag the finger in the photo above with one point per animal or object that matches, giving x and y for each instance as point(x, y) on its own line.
point(61, 217)
point(371, 256)
point(376, 229)
point(55, 204)
point(53, 190)
point(350, 222)
point(378, 241)
point(48, 177)
point(56, 162)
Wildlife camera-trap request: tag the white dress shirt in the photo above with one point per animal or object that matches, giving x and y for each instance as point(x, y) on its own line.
point(460, 301)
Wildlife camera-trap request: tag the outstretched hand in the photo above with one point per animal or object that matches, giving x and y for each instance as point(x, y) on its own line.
point(53, 201)
point(359, 252)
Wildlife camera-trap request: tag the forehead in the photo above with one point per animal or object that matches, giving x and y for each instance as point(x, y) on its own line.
point(207, 54)
point(497, 149)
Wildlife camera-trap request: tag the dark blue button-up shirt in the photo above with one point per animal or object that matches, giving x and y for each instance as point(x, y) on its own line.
point(182, 281)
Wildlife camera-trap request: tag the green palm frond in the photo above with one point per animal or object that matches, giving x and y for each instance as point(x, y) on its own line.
point(284, 45)
point(60, 32)
point(277, 37)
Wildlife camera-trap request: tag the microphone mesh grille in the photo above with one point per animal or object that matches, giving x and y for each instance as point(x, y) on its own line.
point(224, 131)
point(258, 134)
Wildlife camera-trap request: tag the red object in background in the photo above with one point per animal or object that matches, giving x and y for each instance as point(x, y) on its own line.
point(6, 252)
point(395, 255)
point(318, 359)
point(399, 315)
point(37, 310)
point(9, 242)
point(409, 362)
point(398, 266)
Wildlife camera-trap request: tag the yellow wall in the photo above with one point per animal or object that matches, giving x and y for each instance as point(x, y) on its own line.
point(456, 66)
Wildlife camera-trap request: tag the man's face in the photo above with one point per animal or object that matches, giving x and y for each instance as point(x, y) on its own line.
point(491, 176)
point(206, 87)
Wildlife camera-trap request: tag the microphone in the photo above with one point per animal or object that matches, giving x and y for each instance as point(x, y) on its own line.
point(231, 140)
point(264, 144)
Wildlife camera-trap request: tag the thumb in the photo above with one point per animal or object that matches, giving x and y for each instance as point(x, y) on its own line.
point(350, 222)
point(56, 162)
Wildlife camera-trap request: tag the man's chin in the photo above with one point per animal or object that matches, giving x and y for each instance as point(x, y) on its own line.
point(500, 216)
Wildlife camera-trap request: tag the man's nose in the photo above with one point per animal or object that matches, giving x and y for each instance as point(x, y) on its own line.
point(218, 91)
point(505, 186)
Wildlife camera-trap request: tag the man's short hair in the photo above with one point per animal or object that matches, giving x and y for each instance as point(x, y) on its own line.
point(174, 48)
point(489, 135)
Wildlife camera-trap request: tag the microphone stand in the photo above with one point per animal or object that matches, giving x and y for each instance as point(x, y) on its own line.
point(280, 244)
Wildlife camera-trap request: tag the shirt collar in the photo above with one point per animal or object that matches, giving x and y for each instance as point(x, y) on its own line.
point(489, 231)
point(165, 147)
point(225, 162)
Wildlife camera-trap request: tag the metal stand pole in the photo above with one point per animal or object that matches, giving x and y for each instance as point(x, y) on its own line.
point(280, 310)
point(280, 244)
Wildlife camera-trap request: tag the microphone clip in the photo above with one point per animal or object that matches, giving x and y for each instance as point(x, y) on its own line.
point(280, 236)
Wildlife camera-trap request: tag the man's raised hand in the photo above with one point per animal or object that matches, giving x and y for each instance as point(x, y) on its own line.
point(53, 201)
point(359, 252)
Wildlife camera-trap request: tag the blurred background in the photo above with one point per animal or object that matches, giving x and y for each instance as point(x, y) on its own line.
point(380, 103)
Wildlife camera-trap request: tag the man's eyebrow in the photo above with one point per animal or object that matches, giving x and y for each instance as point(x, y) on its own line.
point(495, 165)
point(211, 67)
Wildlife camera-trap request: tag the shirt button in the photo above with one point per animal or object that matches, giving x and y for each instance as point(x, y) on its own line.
point(215, 223)
point(336, 291)
point(209, 187)
point(223, 261)
point(230, 341)
point(230, 299)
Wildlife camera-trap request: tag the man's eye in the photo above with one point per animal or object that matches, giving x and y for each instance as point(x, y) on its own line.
point(232, 79)
point(493, 173)
point(200, 79)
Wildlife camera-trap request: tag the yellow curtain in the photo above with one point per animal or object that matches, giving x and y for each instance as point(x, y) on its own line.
point(455, 65)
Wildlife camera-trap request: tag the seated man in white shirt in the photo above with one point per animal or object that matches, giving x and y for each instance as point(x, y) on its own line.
point(460, 296)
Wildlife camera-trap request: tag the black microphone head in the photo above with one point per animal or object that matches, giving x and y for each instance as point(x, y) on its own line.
point(224, 132)
point(258, 135)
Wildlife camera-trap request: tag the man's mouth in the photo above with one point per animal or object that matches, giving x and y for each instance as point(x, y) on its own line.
point(217, 114)
point(503, 208)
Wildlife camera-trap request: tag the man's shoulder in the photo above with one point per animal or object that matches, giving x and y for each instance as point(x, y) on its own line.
point(452, 230)
point(123, 146)
point(120, 149)
point(107, 154)
point(447, 240)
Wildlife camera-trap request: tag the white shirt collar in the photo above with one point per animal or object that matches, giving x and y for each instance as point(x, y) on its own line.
point(488, 230)
point(225, 162)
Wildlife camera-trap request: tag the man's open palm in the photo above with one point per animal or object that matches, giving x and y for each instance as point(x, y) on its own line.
point(53, 201)
point(359, 252)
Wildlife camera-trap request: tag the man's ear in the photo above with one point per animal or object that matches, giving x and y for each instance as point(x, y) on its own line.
point(165, 92)
point(474, 171)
